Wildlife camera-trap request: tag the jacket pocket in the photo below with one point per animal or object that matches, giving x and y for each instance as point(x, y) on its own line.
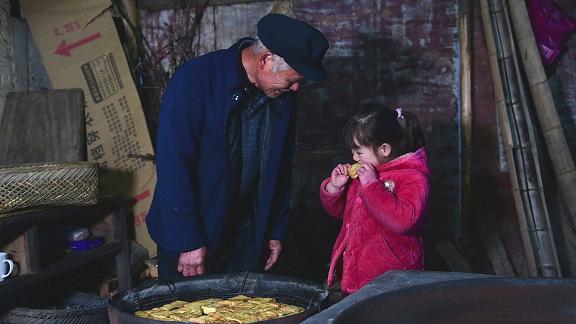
point(407, 251)
point(376, 258)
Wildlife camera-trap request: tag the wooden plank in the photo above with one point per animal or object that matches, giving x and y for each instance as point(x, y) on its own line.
point(20, 61)
point(452, 257)
point(13, 220)
point(123, 257)
point(494, 245)
point(5, 53)
point(38, 78)
point(104, 228)
point(19, 41)
point(43, 126)
point(569, 235)
point(24, 251)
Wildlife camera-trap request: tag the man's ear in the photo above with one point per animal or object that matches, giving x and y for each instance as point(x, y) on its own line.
point(264, 58)
point(385, 149)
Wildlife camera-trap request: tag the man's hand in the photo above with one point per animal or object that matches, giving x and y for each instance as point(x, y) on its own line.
point(275, 247)
point(193, 263)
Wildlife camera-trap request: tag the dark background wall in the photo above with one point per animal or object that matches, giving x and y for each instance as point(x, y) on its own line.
point(406, 53)
point(399, 53)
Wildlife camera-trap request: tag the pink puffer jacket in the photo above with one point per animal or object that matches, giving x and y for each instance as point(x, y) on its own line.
point(380, 222)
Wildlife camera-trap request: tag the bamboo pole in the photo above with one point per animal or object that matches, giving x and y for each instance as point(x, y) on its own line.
point(519, 139)
point(506, 134)
point(132, 14)
point(562, 161)
point(131, 18)
point(466, 124)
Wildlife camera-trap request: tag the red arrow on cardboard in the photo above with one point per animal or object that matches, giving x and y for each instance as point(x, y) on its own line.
point(64, 49)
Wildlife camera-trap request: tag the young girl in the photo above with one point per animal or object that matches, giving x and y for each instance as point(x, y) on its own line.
point(381, 208)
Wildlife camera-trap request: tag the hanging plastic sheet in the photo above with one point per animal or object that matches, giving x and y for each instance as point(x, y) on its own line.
point(552, 27)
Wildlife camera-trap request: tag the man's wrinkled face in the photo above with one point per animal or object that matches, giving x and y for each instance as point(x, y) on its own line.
point(274, 84)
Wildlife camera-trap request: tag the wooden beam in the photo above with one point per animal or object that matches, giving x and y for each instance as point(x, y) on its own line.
point(24, 250)
point(43, 126)
point(19, 44)
point(123, 257)
point(466, 122)
point(452, 257)
point(5, 53)
point(494, 245)
point(174, 4)
point(27, 67)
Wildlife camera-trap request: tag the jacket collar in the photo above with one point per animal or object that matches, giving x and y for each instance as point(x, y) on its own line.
point(413, 160)
point(242, 86)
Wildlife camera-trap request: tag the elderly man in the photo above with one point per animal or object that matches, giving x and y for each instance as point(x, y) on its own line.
point(225, 148)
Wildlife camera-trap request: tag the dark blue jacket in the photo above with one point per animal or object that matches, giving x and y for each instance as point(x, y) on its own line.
point(193, 192)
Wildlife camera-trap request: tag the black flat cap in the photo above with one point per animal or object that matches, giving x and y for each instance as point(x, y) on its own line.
point(299, 44)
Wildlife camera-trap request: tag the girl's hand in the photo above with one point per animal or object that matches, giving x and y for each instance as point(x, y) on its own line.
point(338, 178)
point(366, 174)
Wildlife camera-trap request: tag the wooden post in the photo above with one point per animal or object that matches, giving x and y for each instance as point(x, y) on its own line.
point(5, 60)
point(465, 27)
point(131, 25)
point(24, 250)
point(452, 257)
point(123, 257)
point(492, 241)
point(519, 138)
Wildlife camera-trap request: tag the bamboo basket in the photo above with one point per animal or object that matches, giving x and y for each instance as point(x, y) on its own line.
point(48, 184)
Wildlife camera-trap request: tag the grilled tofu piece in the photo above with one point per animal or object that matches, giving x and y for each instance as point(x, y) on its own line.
point(209, 309)
point(352, 170)
point(173, 305)
point(261, 300)
point(286, 310)
point(239, 298)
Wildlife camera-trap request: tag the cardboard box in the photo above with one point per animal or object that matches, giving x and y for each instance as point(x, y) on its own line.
point(80, 48)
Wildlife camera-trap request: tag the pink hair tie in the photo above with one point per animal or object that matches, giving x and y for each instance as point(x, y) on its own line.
point(399, 111)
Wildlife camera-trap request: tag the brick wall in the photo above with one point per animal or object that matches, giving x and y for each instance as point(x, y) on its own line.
point(398, 52)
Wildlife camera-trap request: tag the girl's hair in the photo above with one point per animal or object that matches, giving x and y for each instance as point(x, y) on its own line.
point(373, 125)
